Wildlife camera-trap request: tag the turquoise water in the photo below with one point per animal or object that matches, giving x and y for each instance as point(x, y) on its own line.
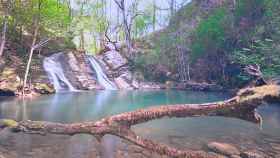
point(192, 133)
point(91, 106)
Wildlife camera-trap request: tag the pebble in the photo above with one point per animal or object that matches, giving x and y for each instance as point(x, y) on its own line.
point(252, 154)
point(223, 148)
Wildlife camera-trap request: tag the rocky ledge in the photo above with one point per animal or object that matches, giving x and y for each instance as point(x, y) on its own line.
point(10, 84)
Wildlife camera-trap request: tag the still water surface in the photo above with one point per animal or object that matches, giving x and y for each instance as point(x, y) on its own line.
point(193, 133)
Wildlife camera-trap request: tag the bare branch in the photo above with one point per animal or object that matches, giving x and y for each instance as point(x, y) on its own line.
point(254, 70)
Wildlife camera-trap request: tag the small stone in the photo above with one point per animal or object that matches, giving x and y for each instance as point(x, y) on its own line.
point(275, 146)
point(251, 154)
point(223, 148)
point(235, 156)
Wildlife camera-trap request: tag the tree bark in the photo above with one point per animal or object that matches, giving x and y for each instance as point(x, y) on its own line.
point(3, 38)
point(241, 106)
point(154, 15)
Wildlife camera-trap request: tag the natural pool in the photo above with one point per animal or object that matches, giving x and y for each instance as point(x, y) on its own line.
point(192, 133)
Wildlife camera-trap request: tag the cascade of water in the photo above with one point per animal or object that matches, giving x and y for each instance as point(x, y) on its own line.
point(56, 75)
point(101, 76)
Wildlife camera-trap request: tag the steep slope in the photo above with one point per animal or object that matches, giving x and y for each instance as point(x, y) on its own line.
point(211, 41)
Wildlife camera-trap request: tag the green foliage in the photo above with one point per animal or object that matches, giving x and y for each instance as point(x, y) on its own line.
point(264, 48)
point(210, 34)
point(249, 8)
point(142, 23)
point(263, 53)
point(272, 19)
point(54, 17)
point(51, 16)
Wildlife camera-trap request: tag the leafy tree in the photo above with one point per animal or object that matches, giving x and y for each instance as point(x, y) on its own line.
point(210, 34)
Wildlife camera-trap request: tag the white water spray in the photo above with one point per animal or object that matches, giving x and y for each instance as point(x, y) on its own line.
point(101, 76)
point(56, 75)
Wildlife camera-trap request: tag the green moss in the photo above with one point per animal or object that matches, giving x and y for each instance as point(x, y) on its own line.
point(8, 123)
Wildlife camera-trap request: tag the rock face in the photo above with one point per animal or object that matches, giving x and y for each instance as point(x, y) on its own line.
point(116, 67)
point(114, 59)
point(224, 149)
point(79, 72)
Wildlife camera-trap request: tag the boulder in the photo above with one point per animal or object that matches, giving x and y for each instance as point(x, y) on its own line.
point(223, 148)
point(43, 88)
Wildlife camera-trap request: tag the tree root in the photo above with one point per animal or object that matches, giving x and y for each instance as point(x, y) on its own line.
point(242, 106)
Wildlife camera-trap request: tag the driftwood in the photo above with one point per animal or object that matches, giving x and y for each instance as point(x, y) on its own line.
point(256, 73)
point(241, 106)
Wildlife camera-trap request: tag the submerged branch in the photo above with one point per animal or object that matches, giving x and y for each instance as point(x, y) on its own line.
point(241, 106)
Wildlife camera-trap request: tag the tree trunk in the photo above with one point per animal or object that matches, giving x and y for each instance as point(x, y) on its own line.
point(188, 69)
point(154, 15)
point(172, 7)
point(82, 40)
point(3, 39)
point(30, 57)
point(241, 106)
point(127, 31)
point(126, 26)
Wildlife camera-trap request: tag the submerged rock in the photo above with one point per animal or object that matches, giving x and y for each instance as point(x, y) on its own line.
point(224, 149)
point(252, 154)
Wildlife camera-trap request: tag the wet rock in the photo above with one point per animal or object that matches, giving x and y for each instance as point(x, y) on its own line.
point(135, 84)
point(122, 84)
point(150, 85)
point(78, 71)
point(252, 154)
point(223, 148)
point(170, 84)
point(43, 88)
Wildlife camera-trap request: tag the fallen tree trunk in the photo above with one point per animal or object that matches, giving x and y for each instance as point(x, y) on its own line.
point(241, 106)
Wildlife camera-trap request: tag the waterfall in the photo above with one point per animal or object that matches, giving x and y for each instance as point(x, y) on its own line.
point(55, 73)
point(101, 76)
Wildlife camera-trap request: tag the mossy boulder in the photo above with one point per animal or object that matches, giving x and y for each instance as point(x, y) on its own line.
point(8, 123)
point(43, 88)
